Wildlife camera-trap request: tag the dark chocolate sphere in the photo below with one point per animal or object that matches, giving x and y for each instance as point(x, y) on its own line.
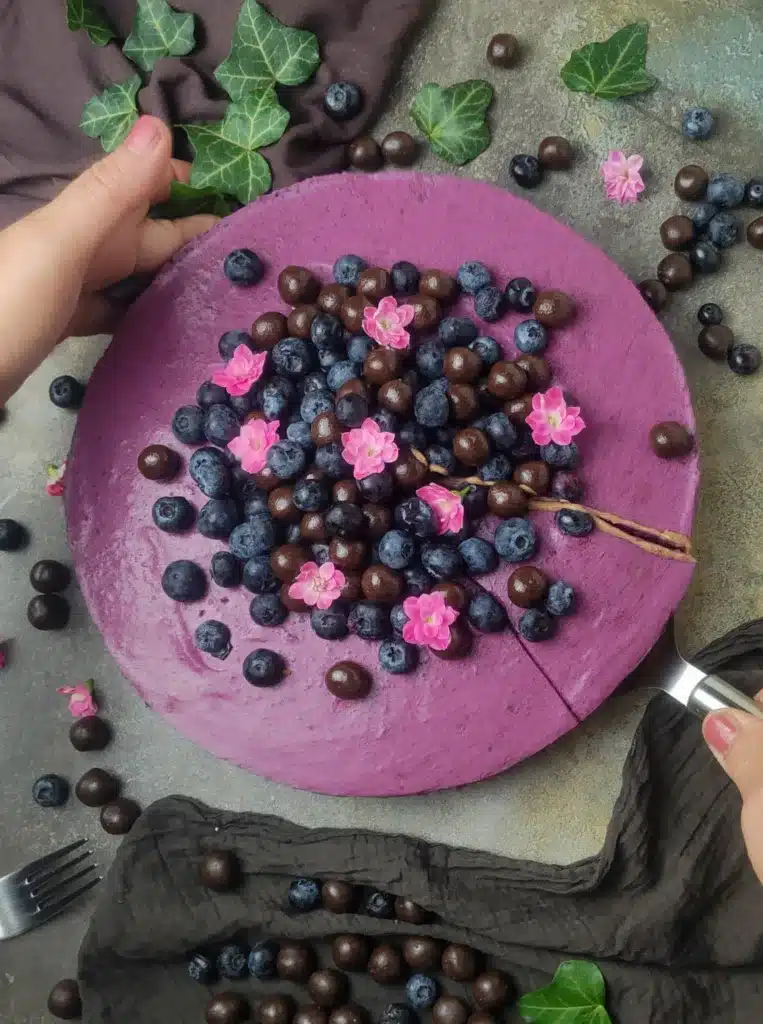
point(351, 952)
point(48, 611)
point(268, 330)
point(337, 896)
point(506, 380)
point(119, 816)
point(654, 293)
point(455, 596)
point(375, 283)
point(49, 576)
point(408, 911)
point(471, 446)
point(332, 298)
point(554, 308)
point(219, 870)
point(396, 395)
point(300, 320)
point(426, 312)
point(459, 963)
point(421, 953)
point(227, 1008)
point(96, 788)
point(450, 1010)
point(327, 987)
point(670, 440)
point(348, 554)
point(399, 149)
point(385, 965)
point(64, 1000)
point(347, 680)
point(691, 182)
point(438, 285)
point(364, 154)
point(490, 990)
point(555, 153)
point(297, 285)
point(286, 561)
point(526, 586)
point(537, 370)
point(277, 1009)
point(675, 272)
point(534, 474)
point(677, 232)
point(460, 644)
point(381, 365)
point(381, 584)
point(507, 500)
point(352, 314)
point(281, 503)
point(350, 1013)
point(309, 1013)
point(90, 733)
point(158, 462)
point(295, 962)
point(503, 50)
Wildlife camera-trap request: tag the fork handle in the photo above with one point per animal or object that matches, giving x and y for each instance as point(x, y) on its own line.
point(713, 694)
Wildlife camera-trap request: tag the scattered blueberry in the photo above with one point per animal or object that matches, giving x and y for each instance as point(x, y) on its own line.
point(293, 357)
point(753, 192)
point(723, 229)
point(13, 536)
point(202, 969)
point(315, 380)
point(744, 359)
point(172, 515)
point(262, 960)
point(188, 424)
point(560, 456)
point(456, 330)
point(225, 569)
point(277, 395)
point(314, 403)
point(430, 357)
point(218, 518)
point(184, 581)
point(340, 373)
point(264, 668)
point(386, 420)
point(487, 349)
point(300, 432)
point(305, 894)
point(348, 269)
point(380, 905)
point(292, 534)
point(221, 425)
point(431, 406)
point(486, 614)
point(329, 623)
point(257, 576)
point(472, 276)
point(243, 404)
point(358, 348)
point(560, 599)
point(232, 963)
point(397, 1013)
point(342, 100)
point(421, 991)
point(489, 304)
point(526, 170)
point(287, 459)
point(397, 656)
point(415, 516)
point(405, 278)
point(497, 467)
point(417, 580)
point(50, 791)
point(351, 410)
point(344, 520)
point(209, 472)
point(535, 625)
point(520, 294)
point(725, 190)
point(256, 536)
point(440, 455)
point(397, 618)
point(329, 460)
point(368, 620)
point(377, 488)
point(213, 637)
point(525, 449)
point(231, 340)
point(479, 555)
point(530, 337)
point(243, 267)
point(267, 610)
point(326, 330)
point(320, 553)
point(66, 392)
point(705, 257)
point(397, 549)
point(442, 561)
point(697, 123)
point(566, 486)
point(311, 495)
point(710, 313)
point(501, 431)
point(211, 394)
point(574, 522)
point(701, 215)
point(515, 540)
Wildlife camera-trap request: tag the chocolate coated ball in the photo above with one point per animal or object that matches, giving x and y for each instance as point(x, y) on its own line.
point(375, 283)
point(352, 313)
point(490, 990)
point(421, 953)
point(90, 733)
point(268, 330)
point(381, 365)
point(399, 149)
point(654, 293)
point(351, 952)
point(460, 643)
point(364, 154)
point(385, 965)
point(409, 473)
point(276, 1010)
point(670, 440)
point(378, 519)
point(675, 271)
point(755, 233)
point(119, 816)
point(555, 153)
point(64, 1000)
point(219, 870)
point(677, 232)
point(96, 788)
point(348, 680)
point(459, 963)
point(348, 554)
point(297, 285)
point(426, 311)
point(405, 909)
point(526, 586)
point(553, 308)
point(49, 576)
point(227, 1008)
point(438, 285)
point(462, 365)
point(350, 1013)
point(518, 409)
point(48, 611)
point(300, 320)
point(309, 1013)
point(396, 395)
point(470, 446)
point(463, 402)
point(326, 429)
point(158, 462)
point(295, 962)
point(715, 340)
point(537, 369)
point(281, 503)
point(507, 500)
point(346, 490)
point(331, 298)
point(286, 562)
point(503, 50)
point(691, 182)
point(327, 987)
point(455, 596)
point(450, 1010)
point(506, 380)
point(535, 475)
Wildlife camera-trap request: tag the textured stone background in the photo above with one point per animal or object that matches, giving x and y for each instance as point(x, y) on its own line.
point(557, 806)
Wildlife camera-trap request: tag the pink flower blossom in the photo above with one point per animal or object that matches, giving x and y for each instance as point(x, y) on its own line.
point(252, 444)
point(386, 323)
point(55, 474)
point(622, 180)
point(81, 700)
point(429, 620)
point(447, 507)
point(318, 586)
point(552, 419)
point(242, 370)
point(368, 448)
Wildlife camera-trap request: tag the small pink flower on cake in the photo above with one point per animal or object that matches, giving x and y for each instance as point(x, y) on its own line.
point(242, 371)
point(368, 449)
point(553, 420)
point(56, 479)
point(253, 443)
point(429, 620)
point(318, 585)
point(81, 699)
point(621, 176)
point(447, 506)
point(386, 323)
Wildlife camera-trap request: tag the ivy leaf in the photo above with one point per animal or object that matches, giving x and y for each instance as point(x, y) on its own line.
point(575, 996)
point(265, 52)
point(88, 15)
point(110, 116)
point(158, 31)
point(186, 201)
point(614, 68)
point(453, 119)
point(226, 158)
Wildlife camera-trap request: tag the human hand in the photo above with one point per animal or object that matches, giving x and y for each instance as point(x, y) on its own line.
point(736, 740)
point(55, 262)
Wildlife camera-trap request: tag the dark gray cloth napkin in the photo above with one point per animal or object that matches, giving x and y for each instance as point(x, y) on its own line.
point(670, 909)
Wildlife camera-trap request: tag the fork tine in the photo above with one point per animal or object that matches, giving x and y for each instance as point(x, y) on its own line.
point(49, 858)
point(40, 880)
point(45, 914)
point(45, 896)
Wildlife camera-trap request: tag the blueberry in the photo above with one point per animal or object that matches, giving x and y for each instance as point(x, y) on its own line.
point(487, 349)
point(710, 313)
point(232, 963)
point(430, 357)
point(376, 488)
point(351, 410)
point(368, 620)
point(184, 581)
point(202, 969)
point(213, 637)
point(535, 625)
point(254, 537)
point(475, 501)
point(397, 549)
point(313, 381)
point(440, 455)
point(300, 432)
point(66, 392)
point(515, 540)
point(257, 576)
point(573, 522)
point(497, 467)
point(421, 991)
point(358, 348)
point(472, 276)
point(405, 278)
point(340, 373)
point(342, 100)
point(397, 618)
point(292, 533)
point(293, 357)
point(520, 294)
point(456, 330)
point(287, 459)
point(744, 359)
point(753, 192)
point(487, 614)
point(723, 229)
point(530, 337)
point(328, 459)
point(566, 486)
point(442, 561)
point(380, 905)
point(329, 623)
point(320, 553)
point(231, 340)
point(330, 355)
point(479, 555)
point(221, 425)
point(262, 960)
point(172, 515)
point(525, 449)
point(311, 495)
point(277, 395)
point(489, 304)
point(225, 569)
point(397, 1013)
point(326, 331)
point(725, 190)
point(415, 516)
point(526, 170)
point(50, 791)
point(431, 406)
point(705, 258)
point(305, 894)
point(701, 215)
point(344, 520)
point(560, 456)
point(218, 518)
point(267, 610)
point(560, 599)
point(13, 536)
point(243, 267)
point(417, 580)
point(501, 431)
point(211, 394)
point(697, 123)
point(209, 472)
point(244, 486)
point(188, 424)
point(348, 269)
point(242, 404)
point(264, 668)
point(314, 403)
point(386, 420)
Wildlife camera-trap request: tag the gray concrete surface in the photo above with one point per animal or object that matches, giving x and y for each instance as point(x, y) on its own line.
point(555, 807)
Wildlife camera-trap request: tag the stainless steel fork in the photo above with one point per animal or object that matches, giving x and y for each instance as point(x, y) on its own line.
point(41, 890)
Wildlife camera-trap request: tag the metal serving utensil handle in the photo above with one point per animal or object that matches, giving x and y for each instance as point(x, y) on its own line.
point(713, 694)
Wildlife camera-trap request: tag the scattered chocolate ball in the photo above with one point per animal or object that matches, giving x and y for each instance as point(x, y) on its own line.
point(347, 554)
point(220, 870)
point(462, 365)
point(455, 596)
point(385, 965)
point(158, 462)
point(470, 446)
point(677, 232)
point(553, 308)
point(310, 1014)
point(354, 386)
point(654, 293)
point(48, 611)
point(348, 680)
point(503, 50)
point(405, 909)
point(715, 340)
point(380, 584)
point(481, 1017)
point(49, 576)
point(276, 1010)
point(426, 311)
point(421, 953)
point(535, 475)
point(378, 519)
point(300, 320)
point(460, 643)
point(119, 816)
point(331, 298)
point(64, 1000)
point(375, 283)
point(96, 788)
point(675, 272)
point(364, 154)
point(409, 473)
point(396, 395)
point(268, 330)
point(326, 429)
point(491, 990)
point(346, 490)
point(459, 963)
point(296, 285)
point(351, 952)
point(507, 500)
point(312, 528)
point(90, 733)
point(381, 365)
point(518, 409)
point(399, 149)
point(227, 1008)
point(352, 313)
point(281, 502)
point(13, 536)
point(691, 182)
point(537, 370)
point(439, 285)
point(744, 359)
point(450, 1010)
point(755, 233)
point(463, 402)
point(295, 962)
point(286, 562)
point(266, 480)
point(527, 586)
point(350, 1013)
point(506, 380)
point(555, 153)
point(670, 440)
point(327, 987)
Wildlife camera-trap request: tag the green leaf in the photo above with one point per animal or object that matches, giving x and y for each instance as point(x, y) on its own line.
point(453, 119)
point(265, 52)
point(110, 116)
point(186, 201)
point(575, 996)
point(87, 14)
point(614, 68)
point(226, 158)
point(158, 31)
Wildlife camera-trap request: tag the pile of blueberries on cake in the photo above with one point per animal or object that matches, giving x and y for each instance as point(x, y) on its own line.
point(456, 408)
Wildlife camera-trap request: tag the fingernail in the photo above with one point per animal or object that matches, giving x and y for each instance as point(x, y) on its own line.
point(720, 730)
point(144, 135)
